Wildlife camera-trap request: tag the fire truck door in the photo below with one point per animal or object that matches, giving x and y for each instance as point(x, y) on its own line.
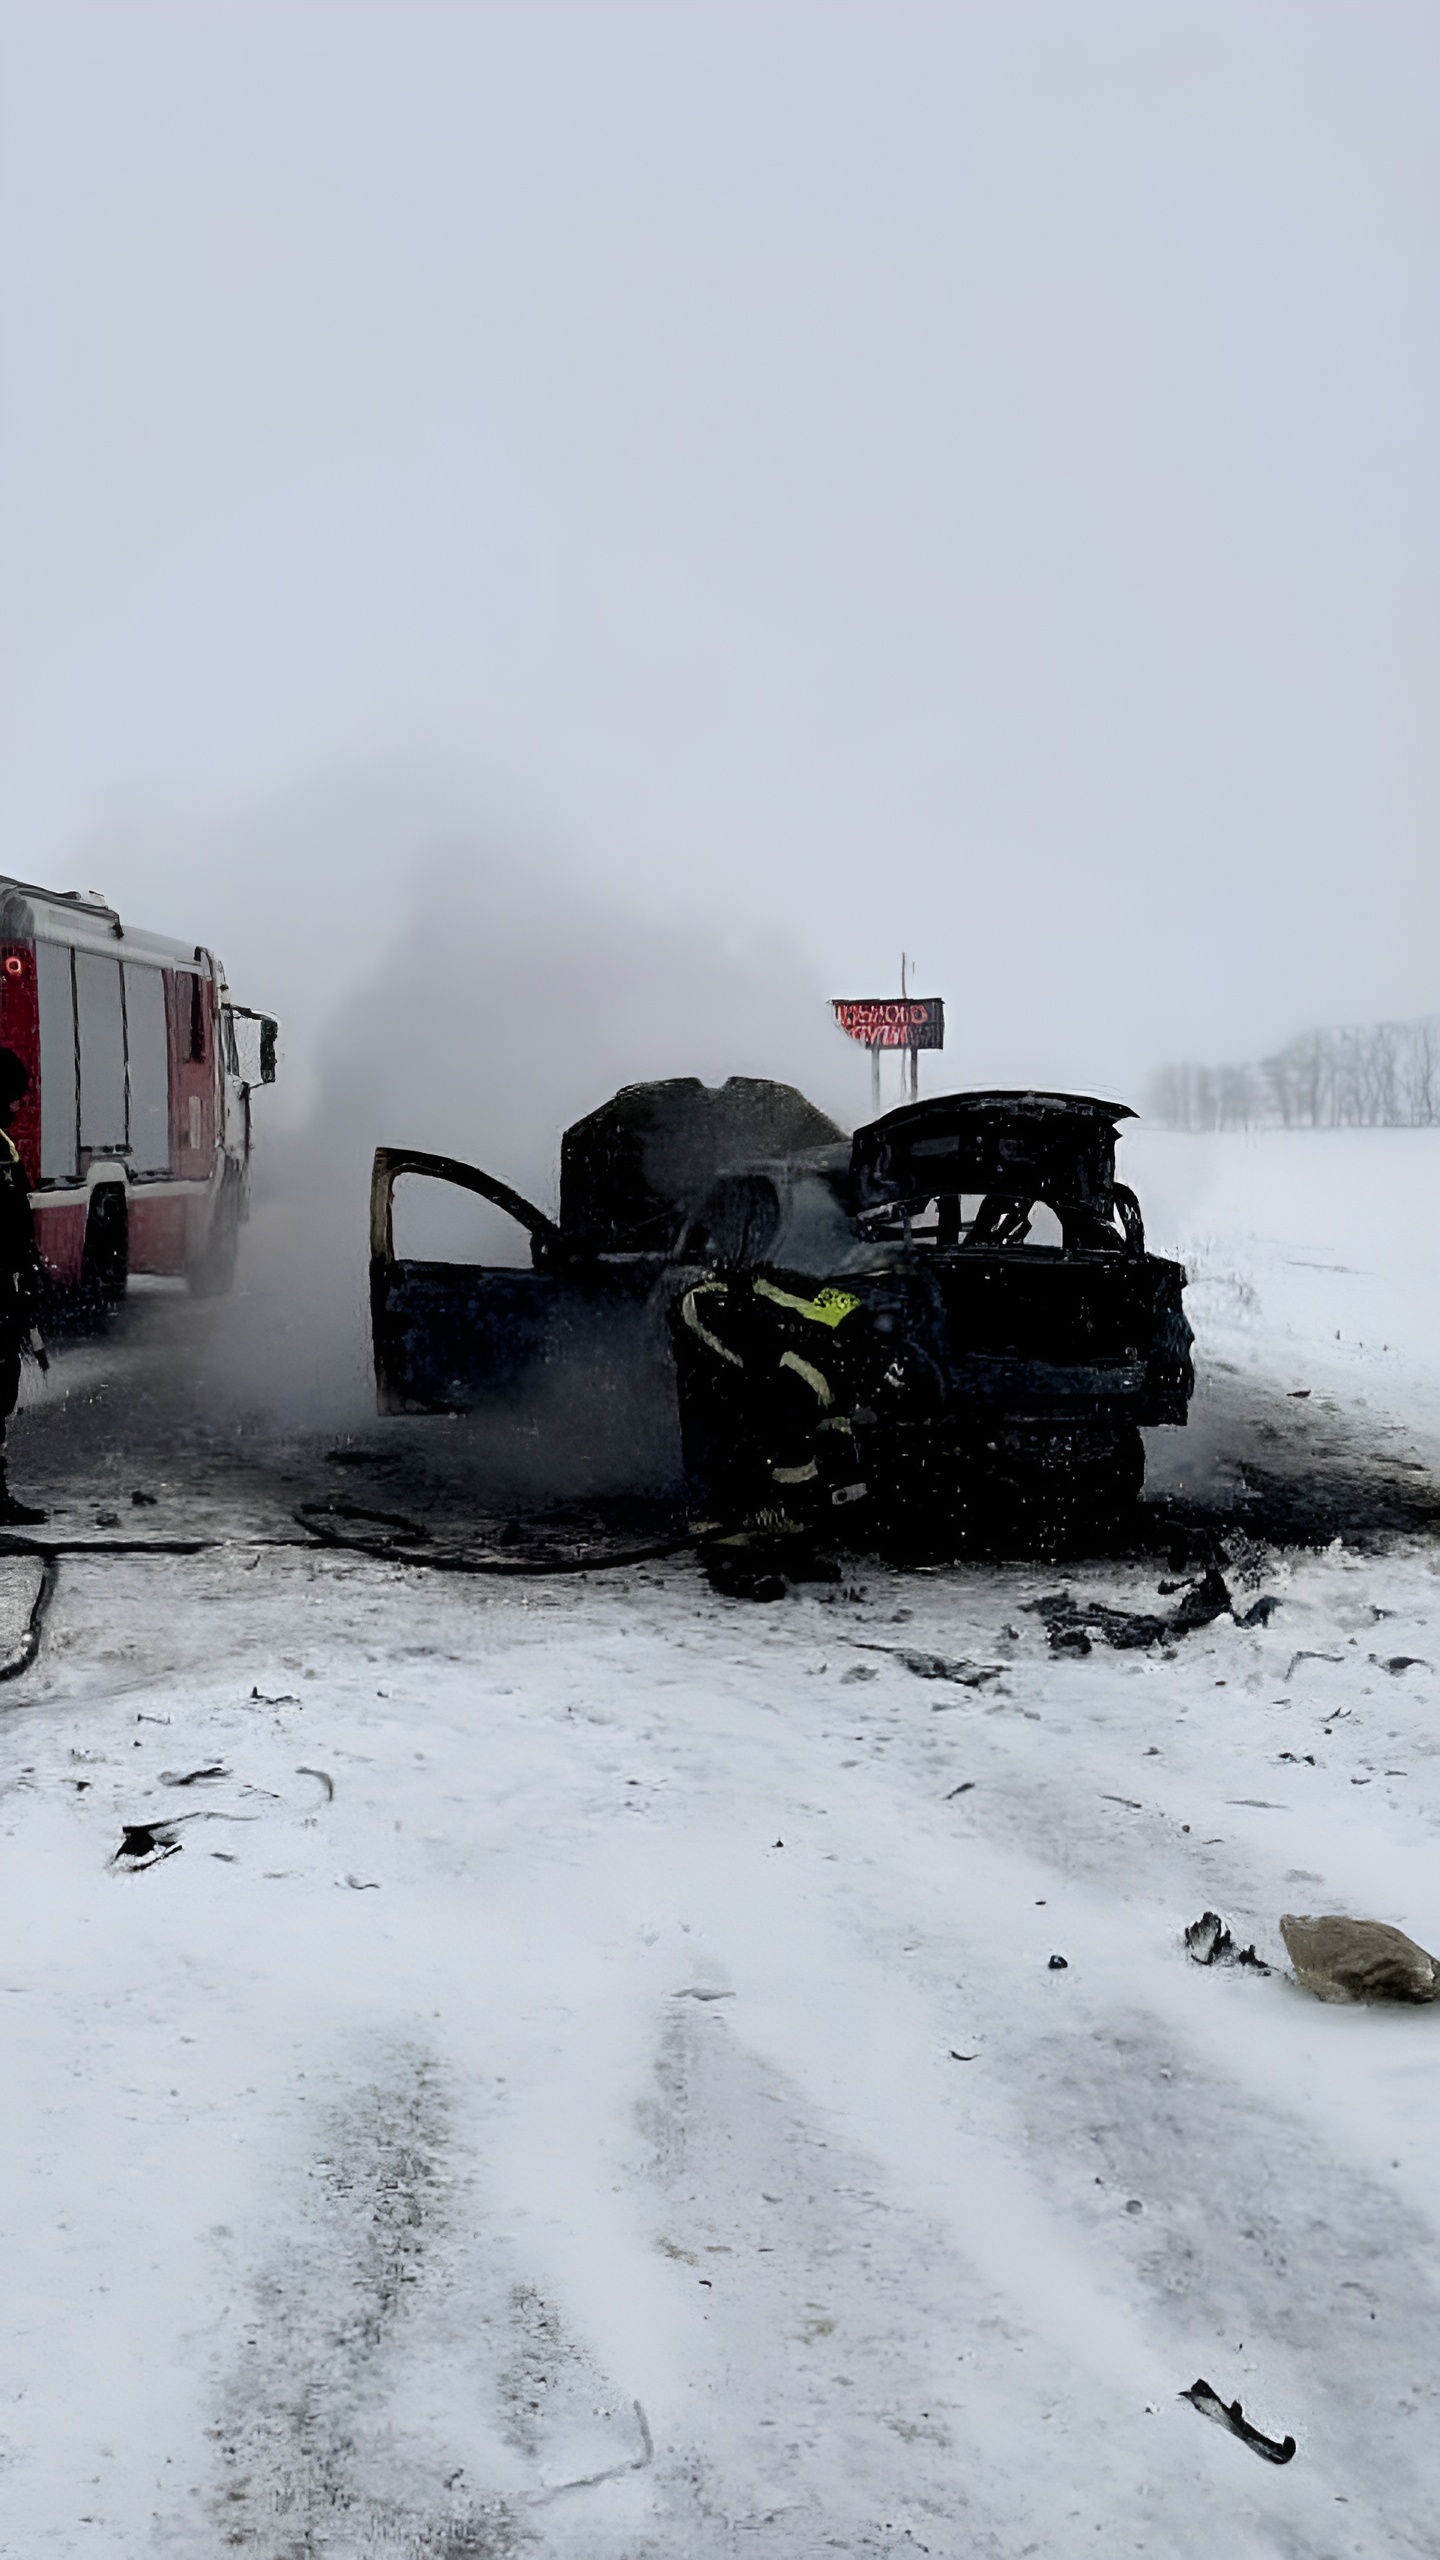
point(189, 1004)
point(448, 1336)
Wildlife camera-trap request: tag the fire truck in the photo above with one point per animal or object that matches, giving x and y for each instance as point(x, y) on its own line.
point(135, 1133)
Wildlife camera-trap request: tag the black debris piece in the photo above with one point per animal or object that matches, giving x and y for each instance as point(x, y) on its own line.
point(287, 1698)
point(1059, 1964)
point(1210, 2405)
point(1070, 1640)
point(107, 1519)
point(1405, 1662)
point(1071, 1624)
point(326, 1781)
point(193, 1777)
point(1208, 1941)
point(1205, 1601)
point(937, 1666)
point(144, 1501)
point(934, 1666)
point(144, 1844)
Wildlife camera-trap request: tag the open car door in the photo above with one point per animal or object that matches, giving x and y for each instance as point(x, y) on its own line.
point(448, 1336)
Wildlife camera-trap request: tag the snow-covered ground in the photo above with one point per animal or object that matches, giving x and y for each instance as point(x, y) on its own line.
point(593, 2080)
point(1314, 1256)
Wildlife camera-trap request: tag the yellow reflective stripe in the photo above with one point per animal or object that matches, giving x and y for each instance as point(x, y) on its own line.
point(828, 1306)
point(812, 1376)
point(10, 1143)
point(711, 1340)
point(796, 1475)
point(838, 1422)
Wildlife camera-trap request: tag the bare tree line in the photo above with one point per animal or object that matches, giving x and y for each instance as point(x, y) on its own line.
point(1381, 1075)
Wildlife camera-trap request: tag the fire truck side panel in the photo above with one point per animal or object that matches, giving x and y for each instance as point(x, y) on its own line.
point(160, 1231)
point(20, 1031)
point(60, 1234)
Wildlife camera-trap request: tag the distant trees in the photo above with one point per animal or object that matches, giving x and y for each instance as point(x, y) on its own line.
point(1383, 1075)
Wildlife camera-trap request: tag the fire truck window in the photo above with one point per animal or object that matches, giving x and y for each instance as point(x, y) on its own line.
point(102, 1052)
point(56, 988)
point(148, 1052)
point(197, 1022)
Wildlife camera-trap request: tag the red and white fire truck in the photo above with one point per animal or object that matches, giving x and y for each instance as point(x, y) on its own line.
point(135, 1132)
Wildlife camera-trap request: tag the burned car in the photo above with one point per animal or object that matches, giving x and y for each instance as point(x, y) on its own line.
point(962, 1288)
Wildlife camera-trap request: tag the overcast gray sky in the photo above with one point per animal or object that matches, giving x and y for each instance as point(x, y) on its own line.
point(828, 477)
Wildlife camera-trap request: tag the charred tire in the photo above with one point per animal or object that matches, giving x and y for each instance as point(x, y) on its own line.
point(105, 1263)
point(212, 1272)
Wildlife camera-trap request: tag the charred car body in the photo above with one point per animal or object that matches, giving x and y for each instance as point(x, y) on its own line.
point(1005, 1333)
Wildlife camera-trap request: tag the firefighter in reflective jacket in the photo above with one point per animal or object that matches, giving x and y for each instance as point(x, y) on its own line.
point(21, 1276)
point(769, 1370)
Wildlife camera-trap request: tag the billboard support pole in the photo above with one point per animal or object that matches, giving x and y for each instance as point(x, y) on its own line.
point(912, 1080)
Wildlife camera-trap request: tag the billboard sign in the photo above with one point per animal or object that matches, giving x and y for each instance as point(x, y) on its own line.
point(892, 1022)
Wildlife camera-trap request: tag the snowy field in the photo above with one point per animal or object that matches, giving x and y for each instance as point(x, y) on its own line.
point(592, 2079)
point(1312, 1252)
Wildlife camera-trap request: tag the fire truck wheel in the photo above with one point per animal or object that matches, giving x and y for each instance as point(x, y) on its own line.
point(105, 1270)
point(213, 1269)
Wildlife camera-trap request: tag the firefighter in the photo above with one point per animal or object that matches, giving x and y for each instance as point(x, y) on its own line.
point(768, 1376)
point(21, 1275)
